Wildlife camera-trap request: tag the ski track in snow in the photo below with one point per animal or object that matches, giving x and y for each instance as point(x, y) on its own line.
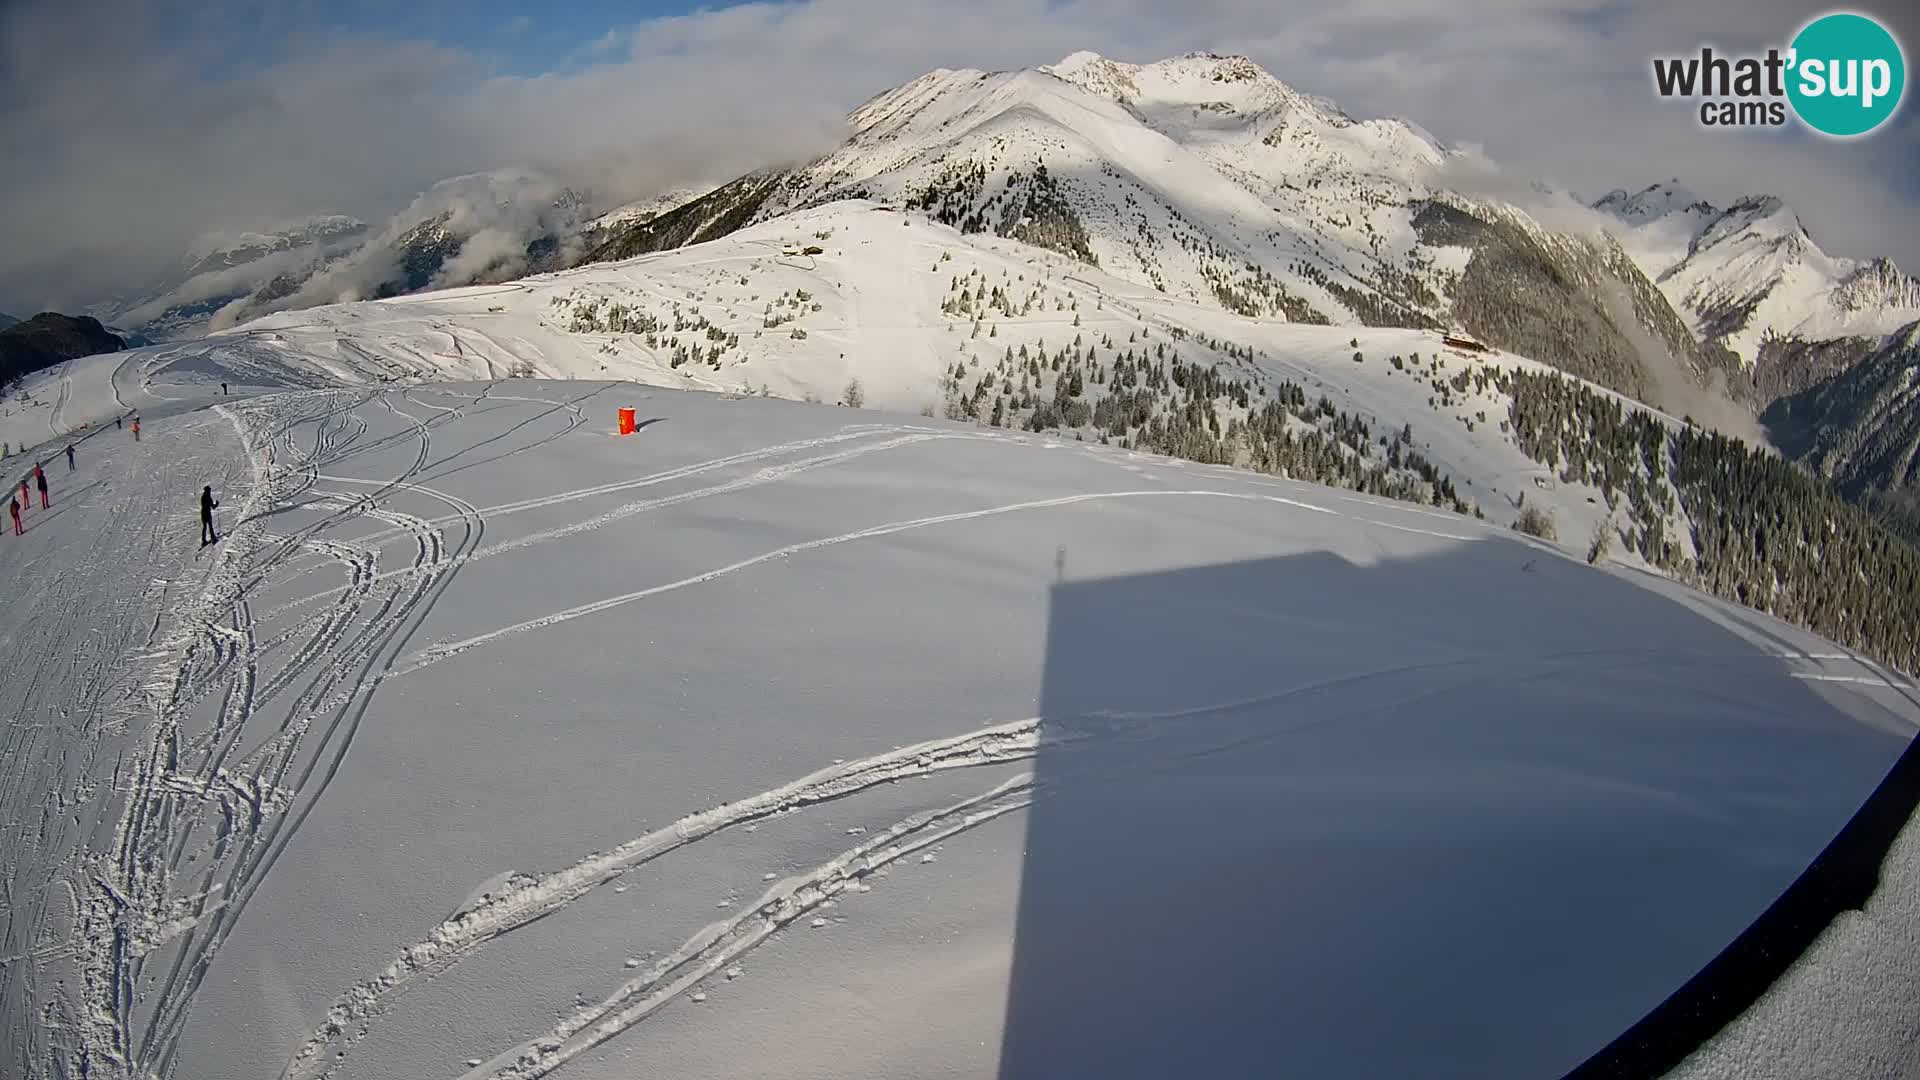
point(766, 475)
point(437, 653)
point(723, 943)
point(519, 899)
point(208, 809)
point(239, 719)
point(56, 418)
point(240, 732)
point(525, 898)
point(76, 644)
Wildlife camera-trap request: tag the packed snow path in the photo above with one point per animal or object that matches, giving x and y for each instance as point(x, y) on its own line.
point(486, 736)
point(95, 593)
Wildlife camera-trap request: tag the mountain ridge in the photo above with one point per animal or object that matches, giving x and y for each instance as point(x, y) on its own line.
point(1205, 178)
point(50, 338)
point(1751, 274)
point(1859, 428)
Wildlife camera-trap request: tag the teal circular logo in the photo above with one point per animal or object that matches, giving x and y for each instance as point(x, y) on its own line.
point(1846, 74)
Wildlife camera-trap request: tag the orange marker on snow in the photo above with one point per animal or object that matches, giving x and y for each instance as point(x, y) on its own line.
point(626, 421)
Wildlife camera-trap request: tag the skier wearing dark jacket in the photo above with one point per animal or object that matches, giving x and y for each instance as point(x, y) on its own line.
point(207, 506)
point(40, 479)
point(69, 457)
point(15, 507)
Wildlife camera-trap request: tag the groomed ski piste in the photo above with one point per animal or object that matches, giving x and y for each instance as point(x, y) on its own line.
point(785, 739)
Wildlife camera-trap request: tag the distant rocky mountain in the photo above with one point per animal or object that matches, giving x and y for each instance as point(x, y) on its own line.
point(1826, 344)
point(222, 251)
point(49, 338)
point(227, 268)
point(464, 230)
point(6, 320)
point(1750, 278)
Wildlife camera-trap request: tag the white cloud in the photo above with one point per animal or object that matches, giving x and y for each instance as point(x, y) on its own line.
point(139, 147)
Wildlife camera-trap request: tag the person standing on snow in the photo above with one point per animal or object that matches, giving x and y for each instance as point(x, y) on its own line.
point(207, 507)
point(117, 425)
point(15, 507)
point(69, 457)
point(24, 497)
point(223, 389)
point(40, 479)
point(136, 429)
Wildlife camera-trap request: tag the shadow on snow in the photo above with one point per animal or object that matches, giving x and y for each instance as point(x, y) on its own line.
point(1432, 817)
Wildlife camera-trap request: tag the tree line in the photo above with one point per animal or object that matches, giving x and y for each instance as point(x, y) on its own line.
point(1762, 532)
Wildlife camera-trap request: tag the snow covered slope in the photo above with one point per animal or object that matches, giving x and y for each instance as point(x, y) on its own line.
point(1207, 180)
point(1750, 272)
point(784, 739)
point(646, 209)
point(50, 408)
point(1192, 175)
point(925, 318)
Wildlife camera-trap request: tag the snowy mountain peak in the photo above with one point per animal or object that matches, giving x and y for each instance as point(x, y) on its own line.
point(1212, 67)
point(1654, 201)
point(1767, 233)
point(1752, 272)
point(1212, 101)
point(249, 243)
point(1765, 211)
point(1076, 63)
point(1877, 284)
point(1098, 75)
point(1219, 83)
point(1199, 177)
point(648, 208)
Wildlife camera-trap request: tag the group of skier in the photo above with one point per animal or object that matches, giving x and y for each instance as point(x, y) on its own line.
point(38, 478)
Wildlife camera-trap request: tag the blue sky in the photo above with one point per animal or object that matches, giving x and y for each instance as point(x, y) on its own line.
point(527, 39)
point(518, 38)
point(159, 120)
